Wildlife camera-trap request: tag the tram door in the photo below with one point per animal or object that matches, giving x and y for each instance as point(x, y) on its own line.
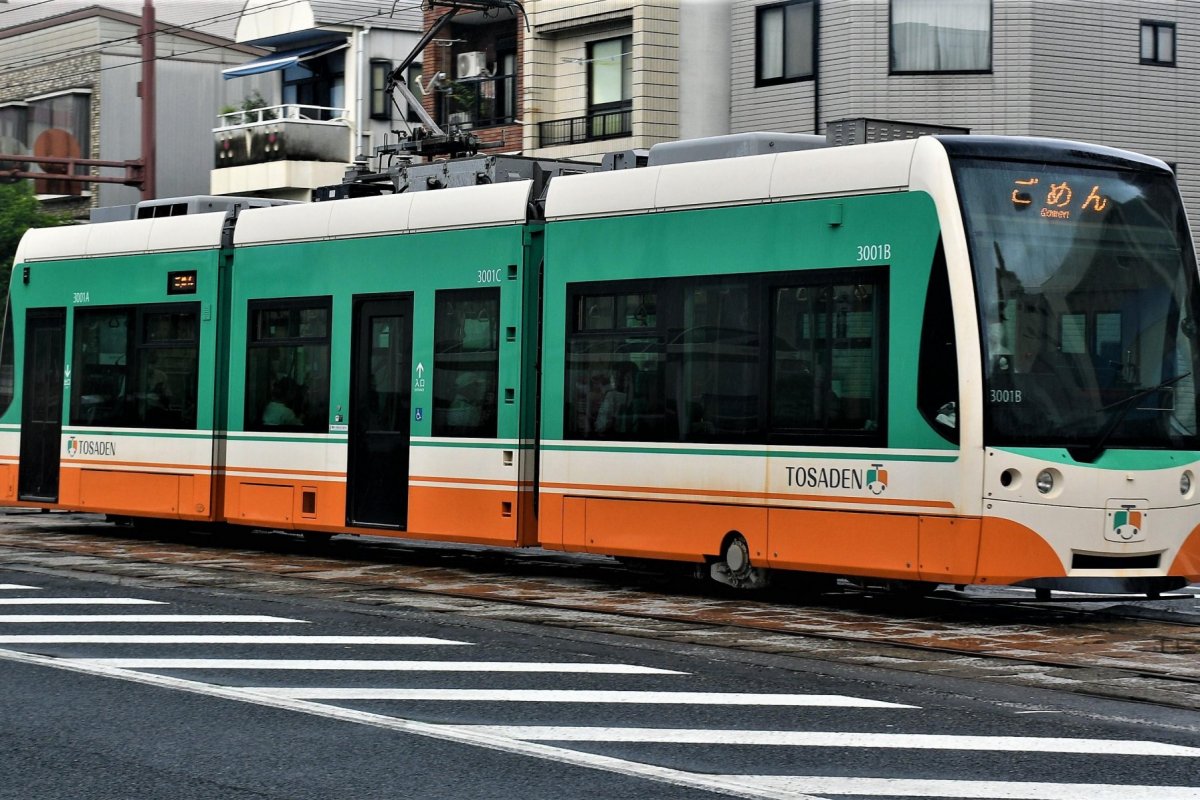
point(42, 404)
point(380, 410)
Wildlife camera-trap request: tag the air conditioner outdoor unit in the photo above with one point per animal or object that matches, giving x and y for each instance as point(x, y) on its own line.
point(471, 65)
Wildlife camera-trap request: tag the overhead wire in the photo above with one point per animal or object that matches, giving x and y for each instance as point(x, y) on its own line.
point(219, 46)
point(22, 8)
point(160, 28)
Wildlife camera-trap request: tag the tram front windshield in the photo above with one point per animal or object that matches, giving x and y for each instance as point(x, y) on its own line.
point(1087, 288)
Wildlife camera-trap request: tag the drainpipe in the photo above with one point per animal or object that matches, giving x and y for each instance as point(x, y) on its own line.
point(361, 116)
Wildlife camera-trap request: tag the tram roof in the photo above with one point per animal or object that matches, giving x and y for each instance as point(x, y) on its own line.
point(444, 209)
point(129, 237)
point(826, 172)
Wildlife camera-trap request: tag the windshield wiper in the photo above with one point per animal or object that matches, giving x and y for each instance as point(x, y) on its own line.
point(1122, 407)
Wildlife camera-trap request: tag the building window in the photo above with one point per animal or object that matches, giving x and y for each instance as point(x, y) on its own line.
point(14, 131)
point(1158, 43)
point(381, 98)
point(414, 85)
point(610, 86)
point(287, 365)
point(786, 41)
point(60, 126)
point(941, 36)
point(320, 84)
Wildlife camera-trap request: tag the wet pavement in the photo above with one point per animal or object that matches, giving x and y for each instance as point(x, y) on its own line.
point(1111, 647)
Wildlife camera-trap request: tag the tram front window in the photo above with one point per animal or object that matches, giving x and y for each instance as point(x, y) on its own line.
point(1087, 286)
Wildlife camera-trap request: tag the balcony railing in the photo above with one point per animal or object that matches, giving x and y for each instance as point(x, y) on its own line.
point(258, 116)
point(287, 132)
point(593, 127)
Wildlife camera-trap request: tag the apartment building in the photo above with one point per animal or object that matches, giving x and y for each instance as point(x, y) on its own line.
point(328, 68)
point(1108, 71)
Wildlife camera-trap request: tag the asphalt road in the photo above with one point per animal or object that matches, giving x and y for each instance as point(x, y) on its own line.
point(117, 689)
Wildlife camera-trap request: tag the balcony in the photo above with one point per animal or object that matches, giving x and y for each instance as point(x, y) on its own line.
point(280, 151)
point(282, 133)
point(594, 127)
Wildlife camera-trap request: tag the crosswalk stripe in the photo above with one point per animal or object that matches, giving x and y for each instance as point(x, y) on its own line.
point(379, 666)
point(149, 618)
point(576, 696)
point(78, 601)
point(968, 790)
point(153, 638)
point(15, 587)
point(1022, 744)
point(651, 772)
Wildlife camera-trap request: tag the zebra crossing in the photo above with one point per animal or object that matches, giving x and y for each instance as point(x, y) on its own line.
point(392, 692)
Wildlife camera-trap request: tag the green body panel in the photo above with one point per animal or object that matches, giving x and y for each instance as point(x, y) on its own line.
point(771, 237)
point(117, 281)
point(420, 264)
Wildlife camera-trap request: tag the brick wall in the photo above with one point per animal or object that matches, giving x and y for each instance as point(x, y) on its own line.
point(438, 58)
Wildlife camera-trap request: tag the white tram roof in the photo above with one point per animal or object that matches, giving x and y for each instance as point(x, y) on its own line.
point(824, 172)
point(128, 237)
point(442, 209)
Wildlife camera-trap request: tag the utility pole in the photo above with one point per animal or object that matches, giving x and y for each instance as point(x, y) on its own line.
point(148, 93)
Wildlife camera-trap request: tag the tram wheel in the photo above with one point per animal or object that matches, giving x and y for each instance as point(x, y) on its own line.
point(734, 569)
point(317, 537)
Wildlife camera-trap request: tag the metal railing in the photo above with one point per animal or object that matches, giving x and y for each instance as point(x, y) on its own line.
point(593, 127)
point(286, 111)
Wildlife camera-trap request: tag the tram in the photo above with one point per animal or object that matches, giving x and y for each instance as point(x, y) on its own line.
point(964, 360)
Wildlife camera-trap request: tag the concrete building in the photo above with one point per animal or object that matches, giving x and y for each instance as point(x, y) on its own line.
point(69, 75)
point(329, 64)
point(1107, 71)
point(581, 78)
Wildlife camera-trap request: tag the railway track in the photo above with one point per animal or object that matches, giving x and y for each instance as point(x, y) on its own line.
point(1110, 646)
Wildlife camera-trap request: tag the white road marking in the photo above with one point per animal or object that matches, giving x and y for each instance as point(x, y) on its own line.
point(974, 790)
point(152, 638)
point(379, 666)
point(1019, 744)
point(162, 618)
point(15, 587)
point(733, 786)
point(77, 601)
point(577, 696)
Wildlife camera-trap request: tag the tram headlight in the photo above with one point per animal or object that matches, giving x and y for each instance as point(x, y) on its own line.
point(1045, 481)
point(1185, 483)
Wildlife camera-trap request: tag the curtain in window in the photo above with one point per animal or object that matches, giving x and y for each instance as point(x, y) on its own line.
point(771, 43)
point(611, 71)
point(941, 35)
point(786, 41)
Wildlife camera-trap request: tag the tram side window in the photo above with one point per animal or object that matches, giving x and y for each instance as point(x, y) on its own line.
point(287, 365)
point(466, 362)
point(136, 367)
point(7, 365)
point(937, 368)
point(826, 356)
point(615, 366)
point(714, 342)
